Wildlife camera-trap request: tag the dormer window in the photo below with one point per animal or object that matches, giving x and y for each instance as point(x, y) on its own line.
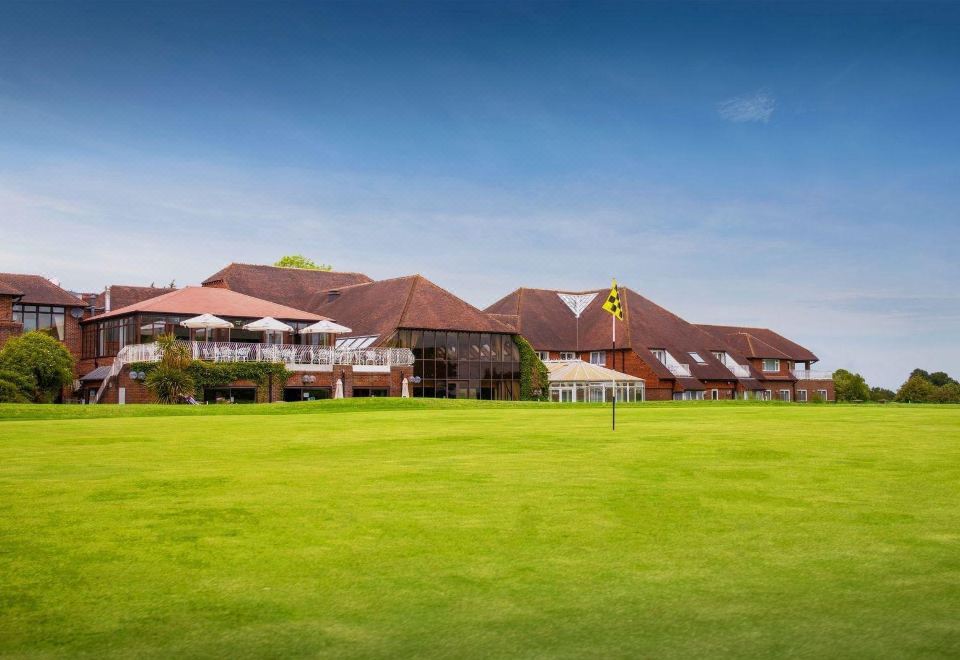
point(770, 364)
point(720, 355)
point(660, 354)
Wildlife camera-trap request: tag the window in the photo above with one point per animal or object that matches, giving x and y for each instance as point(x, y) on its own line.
point(823, 394)
point(767, 395)
point(568, 355)
point(598, 357)
point(368, 392)
point(715, 394)
point(771, 365)
point(720, 355)
point(689, 395)
point(660, 354)
point(40, 317)
point(784, 395)
point(543, 355)
point(801, 395)
point(696, 358)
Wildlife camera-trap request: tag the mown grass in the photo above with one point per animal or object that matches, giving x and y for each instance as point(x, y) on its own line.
point(451, 529)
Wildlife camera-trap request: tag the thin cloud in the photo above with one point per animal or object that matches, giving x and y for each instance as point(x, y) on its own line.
point(750, 108)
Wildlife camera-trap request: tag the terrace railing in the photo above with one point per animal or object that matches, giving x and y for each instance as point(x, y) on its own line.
point(810, 374)
point(291, 354)
point(738, 370)
point(678, 369)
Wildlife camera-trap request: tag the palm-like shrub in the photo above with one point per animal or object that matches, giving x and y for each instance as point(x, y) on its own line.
point(169, 381)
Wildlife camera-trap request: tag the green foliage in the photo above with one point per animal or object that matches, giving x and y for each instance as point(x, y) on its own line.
point(217, 374)
point(169, 384)
point(533, 373)
point(917, 389)
point(881, 394)
point(948, 393)
point(940, 378)
point(850, 386)
point(38, 365)
point(300, 261)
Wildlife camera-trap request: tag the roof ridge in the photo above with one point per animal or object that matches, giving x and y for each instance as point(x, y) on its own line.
point(406, 303)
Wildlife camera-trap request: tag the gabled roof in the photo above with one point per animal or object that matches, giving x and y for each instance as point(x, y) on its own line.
point(411, 302)
point(546, 321)
point(759, 343)
point(38, 290)
point(566, 371)
point(121, 295)
point(208, 300)
point(287, 286)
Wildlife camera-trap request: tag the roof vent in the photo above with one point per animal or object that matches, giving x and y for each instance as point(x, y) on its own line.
point(333, 295)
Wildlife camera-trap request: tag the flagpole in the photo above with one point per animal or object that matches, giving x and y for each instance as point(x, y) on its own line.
point(613, 380)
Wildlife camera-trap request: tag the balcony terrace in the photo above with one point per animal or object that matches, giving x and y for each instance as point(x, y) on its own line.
point(810, 374)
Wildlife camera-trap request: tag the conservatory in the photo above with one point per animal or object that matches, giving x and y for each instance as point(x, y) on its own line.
point(576, 380)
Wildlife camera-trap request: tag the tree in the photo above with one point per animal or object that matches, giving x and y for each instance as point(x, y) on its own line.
point(917, 389)
point(940, 378)
point(15, 387)
point(881, 394)
point(300, 261)
point(169, 380)
point(949, 393)
point(41, 362)
point(919, 372)
point(849, 386)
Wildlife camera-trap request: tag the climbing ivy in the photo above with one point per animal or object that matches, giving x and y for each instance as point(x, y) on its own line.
point(533, 373)
point(219, 374)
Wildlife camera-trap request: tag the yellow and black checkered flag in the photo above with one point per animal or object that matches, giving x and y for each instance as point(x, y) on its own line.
point(612, 304)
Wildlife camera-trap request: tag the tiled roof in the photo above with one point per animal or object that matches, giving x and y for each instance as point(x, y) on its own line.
point(412, 302)
point(122, 295)
point(759, 343)
point(287, 286)
point(38, 290)
point(547, 322)
point(9, 290)
point(219, 302)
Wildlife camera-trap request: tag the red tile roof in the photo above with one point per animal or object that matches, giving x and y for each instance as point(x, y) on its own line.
point(412, 302)
point(287, 286)
point(38, 290)
point(207, 300)
point(547, 322)
point(759, 343)
point(122, 295)
point(9, 290)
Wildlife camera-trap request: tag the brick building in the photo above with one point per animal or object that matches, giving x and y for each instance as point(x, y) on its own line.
point(676, 359)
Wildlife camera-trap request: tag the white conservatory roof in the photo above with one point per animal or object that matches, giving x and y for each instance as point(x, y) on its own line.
point(578, 371)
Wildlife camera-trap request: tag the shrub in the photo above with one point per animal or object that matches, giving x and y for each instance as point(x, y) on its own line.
point(169, 384)
point(849, 386)
point(42, 364)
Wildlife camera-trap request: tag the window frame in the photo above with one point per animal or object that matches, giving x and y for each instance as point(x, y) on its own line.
point(763, 365)
point(825, 394)
point(788, 399)
point(599, 355)
point(803, 398)
point(568, 355)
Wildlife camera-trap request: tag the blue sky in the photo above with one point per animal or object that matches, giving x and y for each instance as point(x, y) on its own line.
point(793, 166)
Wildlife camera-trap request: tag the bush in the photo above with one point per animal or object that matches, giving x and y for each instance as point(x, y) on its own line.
point(42, 365)
point(169, 384)
point(533, 373)
point(916, 390)
point(881, 394)
point(849, 386)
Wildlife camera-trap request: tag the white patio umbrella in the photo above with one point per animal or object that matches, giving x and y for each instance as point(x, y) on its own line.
point(268, 324)
point(405, 389)
point(206, 322)
point(338, 392)
point(326, 326)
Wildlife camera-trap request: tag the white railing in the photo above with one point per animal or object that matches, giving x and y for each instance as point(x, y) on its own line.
point(809, 374)
point(738, 370)
point(114, 370)
point(292, 354)
point(678, 369)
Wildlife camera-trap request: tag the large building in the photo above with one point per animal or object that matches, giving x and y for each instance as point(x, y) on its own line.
point(676, 359)
point(379, 337)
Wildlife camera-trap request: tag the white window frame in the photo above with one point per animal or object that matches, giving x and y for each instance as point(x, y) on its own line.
point(568, 355)
point(767, 395)
point(801, 396)
point(696, 357)
point(720, 355)
point(543, 355)
point(787, 392)
point(660, 354)
point(775, 361)
point(823, 394)
point(714, 394)
point(598, 357)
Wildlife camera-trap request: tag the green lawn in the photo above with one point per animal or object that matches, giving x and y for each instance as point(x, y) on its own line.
point(426, 529)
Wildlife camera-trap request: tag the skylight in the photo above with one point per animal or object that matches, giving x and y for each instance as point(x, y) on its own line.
point(696, 358)
point(356, 342)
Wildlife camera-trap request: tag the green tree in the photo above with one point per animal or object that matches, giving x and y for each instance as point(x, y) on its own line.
point(949, 393)
point(42, 362)
point(169, 381)
point(917, 389)
point(300, 261)
point(16, 387)
point(850, 386)
point(940, 378)
point(881, 394)
point(919, 372)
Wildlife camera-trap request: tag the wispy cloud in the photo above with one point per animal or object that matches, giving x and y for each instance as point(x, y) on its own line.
point(758, 106)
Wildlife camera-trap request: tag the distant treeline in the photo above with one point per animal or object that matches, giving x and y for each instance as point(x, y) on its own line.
point(920, 387)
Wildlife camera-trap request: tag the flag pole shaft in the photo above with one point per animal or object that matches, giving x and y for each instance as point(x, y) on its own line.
point(613, 357)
